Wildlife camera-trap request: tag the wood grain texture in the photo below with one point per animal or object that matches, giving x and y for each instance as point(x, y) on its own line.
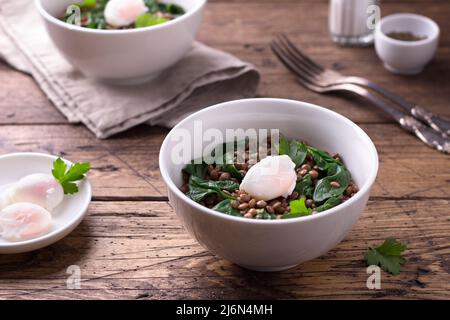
point(136, 250)
point(252, 27)
point(131, 246)
point(127, 165)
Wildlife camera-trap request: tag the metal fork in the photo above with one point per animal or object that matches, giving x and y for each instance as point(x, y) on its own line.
point(325, 77)
point(425, 133)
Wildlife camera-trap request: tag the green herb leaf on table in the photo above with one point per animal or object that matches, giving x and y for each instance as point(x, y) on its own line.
point(148, 20)
point(68, 177)
point(388, 256)
point(225, 207)
point(199, 188)
point(298, 209)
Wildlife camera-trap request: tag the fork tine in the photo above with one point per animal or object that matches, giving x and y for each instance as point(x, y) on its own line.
point(287, 53)
point(294, 66)
point(299, 59)
point(290, 62)
point(287, 61)
point(300, 54)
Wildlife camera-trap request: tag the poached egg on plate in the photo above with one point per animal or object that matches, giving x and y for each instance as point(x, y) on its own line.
point(24, 221)
point(39, 189)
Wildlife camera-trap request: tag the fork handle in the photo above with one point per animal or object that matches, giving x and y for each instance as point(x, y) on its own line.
point(407, 122)
point(437, 123)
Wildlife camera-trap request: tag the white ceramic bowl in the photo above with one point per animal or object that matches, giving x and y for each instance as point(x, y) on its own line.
point(266, 245)
point(123, 56)
point(406, 57)
point(66, 217)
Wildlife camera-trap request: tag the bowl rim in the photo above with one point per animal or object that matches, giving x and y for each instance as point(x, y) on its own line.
point(365, 189)
point(50, 18)
point(53, 236)
point(413, 16)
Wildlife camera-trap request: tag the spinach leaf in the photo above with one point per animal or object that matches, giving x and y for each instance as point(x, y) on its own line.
point(228, 166)
point(225, 207)
point(295, 150)
point(303, 184)
point(152, 6)
point(199, 188)
point(322, 159)
point(298, 209)
point(174, 8)
point(264, 215)
point(283, 147)
point(196, 169)
point(227, 161)
point(309, 192)
point(330, 203)
point(324, 190)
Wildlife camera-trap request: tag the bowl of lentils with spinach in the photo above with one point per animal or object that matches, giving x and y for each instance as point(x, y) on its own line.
point(322, 182)
point(311, 201)
point(122, 42)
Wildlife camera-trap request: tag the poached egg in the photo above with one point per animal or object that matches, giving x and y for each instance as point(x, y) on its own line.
point(122, 13)
point(272, 177)
point(39, 189)
point(24, 221)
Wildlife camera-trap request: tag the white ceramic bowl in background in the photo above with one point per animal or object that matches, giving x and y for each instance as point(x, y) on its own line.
point(406, 57)
point(266, 245)
point(123, 56)
point(66, 217)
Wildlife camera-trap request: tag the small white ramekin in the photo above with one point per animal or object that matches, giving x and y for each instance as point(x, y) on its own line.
point(406, 57)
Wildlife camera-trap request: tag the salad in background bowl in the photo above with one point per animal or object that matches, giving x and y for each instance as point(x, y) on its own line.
point(142, 38)
point(120, 14)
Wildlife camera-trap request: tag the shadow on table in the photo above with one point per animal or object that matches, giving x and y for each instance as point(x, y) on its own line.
point(48, 263)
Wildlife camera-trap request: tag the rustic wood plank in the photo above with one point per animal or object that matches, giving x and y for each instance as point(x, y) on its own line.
point(127, 166)
point(133, 247)
point(139, 250)
point(253, 25)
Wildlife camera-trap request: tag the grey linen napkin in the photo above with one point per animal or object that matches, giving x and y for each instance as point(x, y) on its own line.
point(203, 77)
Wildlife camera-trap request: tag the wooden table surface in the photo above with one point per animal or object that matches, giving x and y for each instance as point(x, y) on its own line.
point(131, 245)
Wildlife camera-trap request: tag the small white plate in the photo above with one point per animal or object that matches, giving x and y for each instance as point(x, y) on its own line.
point(66, 217)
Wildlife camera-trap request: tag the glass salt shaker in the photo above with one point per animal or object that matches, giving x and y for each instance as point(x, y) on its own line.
point(352, 22)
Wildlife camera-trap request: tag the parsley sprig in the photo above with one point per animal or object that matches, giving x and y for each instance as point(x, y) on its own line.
point(68, 177)
point(388, 256)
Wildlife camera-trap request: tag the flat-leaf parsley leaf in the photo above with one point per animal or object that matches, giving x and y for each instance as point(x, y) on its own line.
point(388, 256)
point(68, 177)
